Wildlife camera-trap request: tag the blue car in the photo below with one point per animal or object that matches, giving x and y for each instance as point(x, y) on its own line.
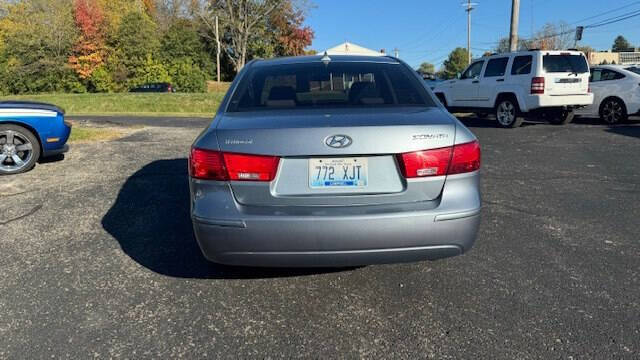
point(30, 131)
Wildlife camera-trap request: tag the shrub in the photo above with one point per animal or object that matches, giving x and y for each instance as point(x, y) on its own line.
point(187, 76)
point(150, 71)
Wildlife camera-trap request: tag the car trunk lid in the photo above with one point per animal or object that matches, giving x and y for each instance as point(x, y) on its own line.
point(301, 140)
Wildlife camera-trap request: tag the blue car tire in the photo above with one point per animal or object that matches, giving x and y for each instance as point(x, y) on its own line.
point(19, 149)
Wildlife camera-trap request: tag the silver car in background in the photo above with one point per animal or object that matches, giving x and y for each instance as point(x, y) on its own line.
point(333, 161)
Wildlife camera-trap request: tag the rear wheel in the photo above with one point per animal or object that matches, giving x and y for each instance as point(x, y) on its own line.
point(613, 111)
point(507, 113)
point(561, 117)
point(19, 149)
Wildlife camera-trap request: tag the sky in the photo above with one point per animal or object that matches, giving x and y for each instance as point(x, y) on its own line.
point(427, 30)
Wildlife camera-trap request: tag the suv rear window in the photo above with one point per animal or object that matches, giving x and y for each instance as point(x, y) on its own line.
point(521, 65)
point(565, 63)
point(338, 84)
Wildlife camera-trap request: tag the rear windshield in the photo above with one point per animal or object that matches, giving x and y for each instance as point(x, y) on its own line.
point(565, 63)
point(338, 84)
point(634, 69)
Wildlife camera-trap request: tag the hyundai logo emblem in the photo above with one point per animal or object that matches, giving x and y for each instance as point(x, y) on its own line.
point(338, 141)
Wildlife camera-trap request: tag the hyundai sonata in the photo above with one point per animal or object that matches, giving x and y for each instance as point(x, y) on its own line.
point(333, 161)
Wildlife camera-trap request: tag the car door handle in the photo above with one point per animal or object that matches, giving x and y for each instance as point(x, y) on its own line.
point(500, 80)
point(475, 81)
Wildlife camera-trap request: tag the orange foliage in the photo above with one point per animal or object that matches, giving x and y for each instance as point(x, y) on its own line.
point(88, 52)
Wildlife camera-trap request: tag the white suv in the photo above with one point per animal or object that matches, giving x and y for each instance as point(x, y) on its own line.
point(547, 84)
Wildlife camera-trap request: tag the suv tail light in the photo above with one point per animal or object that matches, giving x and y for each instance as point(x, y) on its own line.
point(216, 165)
point(451, 160)
point(537, 85)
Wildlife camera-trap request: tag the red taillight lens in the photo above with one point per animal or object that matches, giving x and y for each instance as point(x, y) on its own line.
point(207, 165)
point(466, 158)
point(216, 165)
point(251, 167)
point(456, 159)
point(537, 85)
point(425, 163)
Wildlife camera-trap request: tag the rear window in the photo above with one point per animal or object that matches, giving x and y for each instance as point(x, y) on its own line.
point(565, 63)
point(521, 65)
point(338, 84)
point(634, 69)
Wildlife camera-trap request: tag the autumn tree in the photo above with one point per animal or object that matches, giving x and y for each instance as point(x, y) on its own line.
point(89, 50)
point(291, 34)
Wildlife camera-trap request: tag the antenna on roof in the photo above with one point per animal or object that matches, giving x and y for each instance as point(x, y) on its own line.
point(326, 59)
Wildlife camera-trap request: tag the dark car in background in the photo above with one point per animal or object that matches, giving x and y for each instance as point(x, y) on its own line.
point(155, 88)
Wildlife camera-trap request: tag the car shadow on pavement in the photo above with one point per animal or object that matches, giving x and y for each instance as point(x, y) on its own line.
point(626, 130)
point(151, 220)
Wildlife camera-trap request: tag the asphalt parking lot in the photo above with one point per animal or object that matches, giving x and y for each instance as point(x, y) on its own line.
point(98, 260)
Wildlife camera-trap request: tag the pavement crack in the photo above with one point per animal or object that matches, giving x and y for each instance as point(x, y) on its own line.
point(29, 213)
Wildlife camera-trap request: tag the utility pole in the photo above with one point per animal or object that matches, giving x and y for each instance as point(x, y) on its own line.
point(513, 34)
point(217, 50)
point(470, 6)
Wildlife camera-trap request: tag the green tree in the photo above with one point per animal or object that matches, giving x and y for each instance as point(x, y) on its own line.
point(620, 44)
point(456, 62)
point(427, 68)
point(38, 39)
point(137, 37)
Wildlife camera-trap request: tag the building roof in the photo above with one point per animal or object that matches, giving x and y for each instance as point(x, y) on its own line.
point(348, 48)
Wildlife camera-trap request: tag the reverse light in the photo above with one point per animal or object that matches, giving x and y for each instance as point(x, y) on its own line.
point(537, 85)
point(457, 159)
point(221, 166)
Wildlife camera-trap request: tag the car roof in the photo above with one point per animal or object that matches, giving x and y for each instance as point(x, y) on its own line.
point(318, 58)
point(15, 104)
point(530, 52)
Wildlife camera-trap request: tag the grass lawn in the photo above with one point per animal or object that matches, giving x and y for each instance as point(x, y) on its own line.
point(149, 104)
point(90, 134)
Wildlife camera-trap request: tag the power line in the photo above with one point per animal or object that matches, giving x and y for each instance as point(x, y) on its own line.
point(614, 20)
point(606, 12)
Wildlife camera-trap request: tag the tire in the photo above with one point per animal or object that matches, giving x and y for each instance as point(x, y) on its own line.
point(507, 113)
point(19, 149)
point(561, 117)
point(613, 111)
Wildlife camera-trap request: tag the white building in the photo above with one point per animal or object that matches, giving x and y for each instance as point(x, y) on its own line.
point(348, 48)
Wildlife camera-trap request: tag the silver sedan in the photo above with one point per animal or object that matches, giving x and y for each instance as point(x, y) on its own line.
point(333, 161)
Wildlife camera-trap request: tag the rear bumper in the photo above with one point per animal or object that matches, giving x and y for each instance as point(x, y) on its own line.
point(538, 101)
point(336, 236)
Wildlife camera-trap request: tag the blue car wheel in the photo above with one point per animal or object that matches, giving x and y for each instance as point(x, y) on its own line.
point(19, 149)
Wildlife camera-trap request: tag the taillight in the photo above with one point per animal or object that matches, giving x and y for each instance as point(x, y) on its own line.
point(466, 158)
point(207, 164)
point(216, 165)
point(251, 167)
point(425, 163)
point(537, 85)
point(456, 159)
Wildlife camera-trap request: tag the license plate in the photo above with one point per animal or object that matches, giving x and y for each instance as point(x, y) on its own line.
point(333, 173)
